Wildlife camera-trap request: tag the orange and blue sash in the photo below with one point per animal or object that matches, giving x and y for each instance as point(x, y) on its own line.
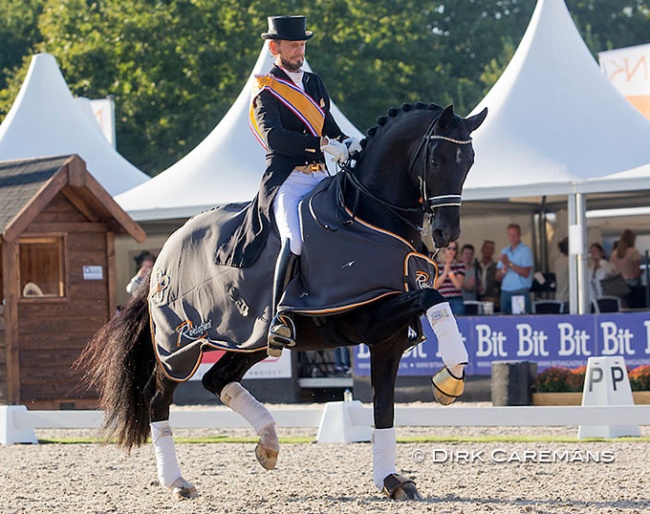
point(292, 97)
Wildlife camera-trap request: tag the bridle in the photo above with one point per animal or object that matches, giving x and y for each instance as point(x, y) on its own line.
point(429, 203)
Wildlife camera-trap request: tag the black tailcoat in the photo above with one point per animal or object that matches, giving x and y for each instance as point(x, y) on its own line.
point(289, 144)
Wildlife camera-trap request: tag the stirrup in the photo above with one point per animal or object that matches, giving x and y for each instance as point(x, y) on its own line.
point(281, 334)
point(447, 387)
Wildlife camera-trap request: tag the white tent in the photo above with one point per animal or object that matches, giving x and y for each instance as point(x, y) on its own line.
point(554, 117)
point(225, 167)
point(45, 120)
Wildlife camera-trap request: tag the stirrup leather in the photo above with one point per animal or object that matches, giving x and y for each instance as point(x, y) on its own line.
point(281, 334)
point(447, 387)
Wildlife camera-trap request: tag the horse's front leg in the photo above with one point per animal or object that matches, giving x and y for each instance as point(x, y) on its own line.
point(223, 380)
point(384, 359)
point(397, 312)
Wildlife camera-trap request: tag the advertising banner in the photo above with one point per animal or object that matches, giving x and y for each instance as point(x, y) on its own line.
point(271, 367)
point(548, 340)
point(628, 69)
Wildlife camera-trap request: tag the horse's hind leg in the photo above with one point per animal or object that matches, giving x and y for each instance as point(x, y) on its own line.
point(159, 393)
point(223, 380)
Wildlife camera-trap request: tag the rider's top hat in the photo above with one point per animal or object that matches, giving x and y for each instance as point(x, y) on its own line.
point(289, 28)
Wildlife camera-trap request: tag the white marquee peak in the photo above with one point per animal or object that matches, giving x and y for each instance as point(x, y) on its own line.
point(554, 118)
point(45, 120)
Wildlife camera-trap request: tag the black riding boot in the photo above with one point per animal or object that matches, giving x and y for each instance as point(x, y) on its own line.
point(282, 330)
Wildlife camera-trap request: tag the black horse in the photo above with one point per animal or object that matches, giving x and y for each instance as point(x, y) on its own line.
point(413, 163)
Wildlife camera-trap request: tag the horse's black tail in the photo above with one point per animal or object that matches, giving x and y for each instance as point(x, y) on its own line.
point(118, 361)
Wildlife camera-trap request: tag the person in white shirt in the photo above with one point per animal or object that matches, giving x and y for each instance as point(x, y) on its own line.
point(598, 268)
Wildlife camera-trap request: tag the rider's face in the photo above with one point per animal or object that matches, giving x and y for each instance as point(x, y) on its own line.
point(290, 54)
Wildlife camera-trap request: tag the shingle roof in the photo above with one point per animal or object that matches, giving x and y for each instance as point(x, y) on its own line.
point(21, 180)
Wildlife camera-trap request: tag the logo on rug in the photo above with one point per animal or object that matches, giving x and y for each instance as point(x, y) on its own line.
point(158, 286)
point(189, 332)
point(423, 280)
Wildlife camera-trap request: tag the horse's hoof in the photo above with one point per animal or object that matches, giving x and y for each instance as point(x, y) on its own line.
point(447, 387)
point(268, 447)
point(267, 457)
point(399, 488)
point(183, 490)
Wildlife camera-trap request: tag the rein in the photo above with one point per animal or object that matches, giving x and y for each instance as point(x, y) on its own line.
point(392, 208)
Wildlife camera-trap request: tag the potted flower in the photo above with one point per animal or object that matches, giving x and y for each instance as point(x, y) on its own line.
point(640, 384)
point(559, 386)
point(563, 386)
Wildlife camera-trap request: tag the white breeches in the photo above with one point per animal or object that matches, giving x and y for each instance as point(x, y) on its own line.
point(285, 205)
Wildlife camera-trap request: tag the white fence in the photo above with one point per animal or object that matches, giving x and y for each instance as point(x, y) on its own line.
point(337, 421)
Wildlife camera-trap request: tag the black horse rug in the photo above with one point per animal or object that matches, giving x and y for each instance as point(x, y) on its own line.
point(197, 305)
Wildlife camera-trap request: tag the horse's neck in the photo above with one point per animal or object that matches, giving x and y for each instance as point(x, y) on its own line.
point(391, 209)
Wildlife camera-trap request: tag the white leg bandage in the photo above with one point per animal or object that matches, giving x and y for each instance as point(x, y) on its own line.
point(384, 448)
point(237, 397)
point(450, 341)
point(163, 444)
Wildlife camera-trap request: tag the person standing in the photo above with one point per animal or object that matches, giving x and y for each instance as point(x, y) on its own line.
point(627, 260)
point(290, 115)
point(450, 280)
point(489, 289)
point(597, 269)
point(562, 272)
point(144, 262)
point(514, 271)
point(469, 283)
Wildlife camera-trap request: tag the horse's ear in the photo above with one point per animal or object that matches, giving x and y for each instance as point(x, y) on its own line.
point(475, 121)
point(446, 116)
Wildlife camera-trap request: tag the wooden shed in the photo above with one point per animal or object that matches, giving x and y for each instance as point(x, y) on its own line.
point(57, 278)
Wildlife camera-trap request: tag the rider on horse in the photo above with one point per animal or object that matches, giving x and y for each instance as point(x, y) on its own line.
point(290, 115)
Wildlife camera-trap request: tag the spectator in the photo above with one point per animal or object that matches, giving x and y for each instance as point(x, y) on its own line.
point(489, 289)
point(562, 271)
point(450, 280)
point(144, 262)
point(514, 271)
point(597, 269)
point(469, 282)
point(627, 260)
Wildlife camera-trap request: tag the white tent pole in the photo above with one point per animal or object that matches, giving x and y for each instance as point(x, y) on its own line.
point(577, 264)
point(583, 297)
point(573, 259)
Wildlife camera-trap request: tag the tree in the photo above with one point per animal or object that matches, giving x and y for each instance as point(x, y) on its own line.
point(175, 66)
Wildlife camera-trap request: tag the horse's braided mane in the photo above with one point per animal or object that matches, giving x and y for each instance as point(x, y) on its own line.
point(390, 114)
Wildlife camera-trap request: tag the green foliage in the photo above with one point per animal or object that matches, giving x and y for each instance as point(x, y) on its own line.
point(176, 66)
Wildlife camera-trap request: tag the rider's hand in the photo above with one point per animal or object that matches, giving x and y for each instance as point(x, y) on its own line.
point(353, 145)
point(337, 150)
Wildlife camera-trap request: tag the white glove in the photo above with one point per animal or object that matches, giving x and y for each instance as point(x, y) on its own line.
point(353, 145)
point(337, 150)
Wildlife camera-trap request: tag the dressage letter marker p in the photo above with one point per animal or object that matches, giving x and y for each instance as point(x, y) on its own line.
point(607, 383)
point(595, 375)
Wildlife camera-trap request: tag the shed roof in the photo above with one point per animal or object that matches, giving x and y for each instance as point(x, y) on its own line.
point(26, 186)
